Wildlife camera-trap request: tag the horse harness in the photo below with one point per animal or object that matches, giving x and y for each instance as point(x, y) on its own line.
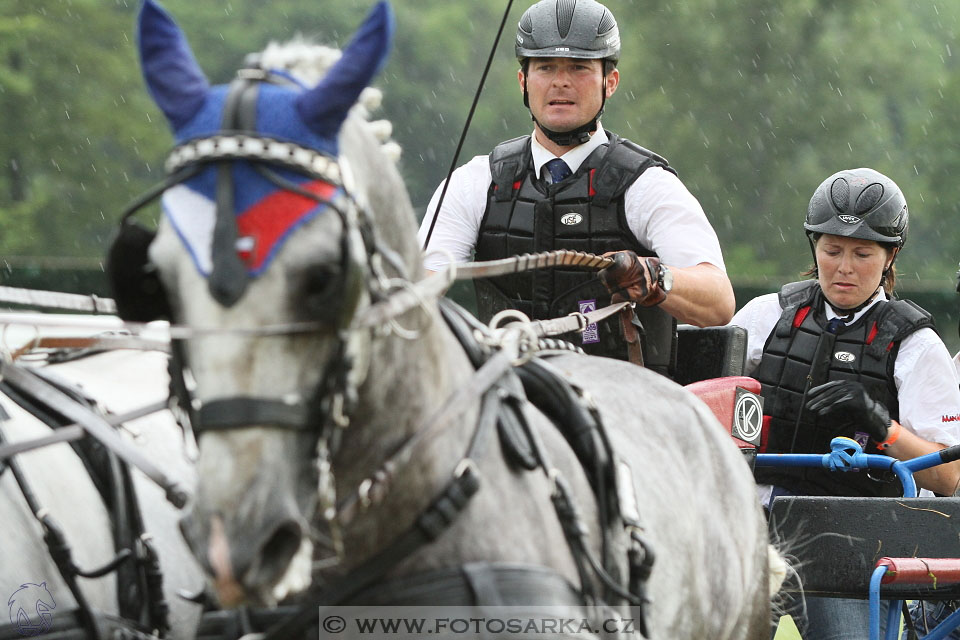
point(143, 611)
point(502, 389)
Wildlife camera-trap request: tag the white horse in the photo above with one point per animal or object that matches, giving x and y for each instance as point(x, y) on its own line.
point(329, 441)
point(60, 484)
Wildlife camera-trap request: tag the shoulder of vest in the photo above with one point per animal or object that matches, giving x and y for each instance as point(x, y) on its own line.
point(897, 320)
point(792, 296)
point(508, 163)
point(619, 165)
point(797, 293)
point(507, 148)
point(629, 154)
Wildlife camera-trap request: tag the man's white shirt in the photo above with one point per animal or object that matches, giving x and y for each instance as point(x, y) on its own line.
point(662, 214)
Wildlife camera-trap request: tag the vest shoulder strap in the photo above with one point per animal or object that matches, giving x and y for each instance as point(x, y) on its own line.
point(900, 318)
point(792, 296)
point(623, 162)
point(508, 164)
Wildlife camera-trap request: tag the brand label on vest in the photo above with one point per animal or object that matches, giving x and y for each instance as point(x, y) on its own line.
point(590, 334)
point(571, 219)
point(845, 356)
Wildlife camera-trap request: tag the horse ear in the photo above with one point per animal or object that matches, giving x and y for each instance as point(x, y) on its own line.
point(325, 107)
point(174, 78)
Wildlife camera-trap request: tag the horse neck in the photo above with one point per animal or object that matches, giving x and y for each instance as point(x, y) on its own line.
point(409, 381)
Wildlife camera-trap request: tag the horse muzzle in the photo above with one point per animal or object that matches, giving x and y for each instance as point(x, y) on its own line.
point(250, 565)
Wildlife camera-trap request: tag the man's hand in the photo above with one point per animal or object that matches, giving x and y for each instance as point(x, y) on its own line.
point(633, 278)
point(848, 403)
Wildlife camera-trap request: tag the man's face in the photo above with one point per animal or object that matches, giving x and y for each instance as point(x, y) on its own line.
point(565, 93)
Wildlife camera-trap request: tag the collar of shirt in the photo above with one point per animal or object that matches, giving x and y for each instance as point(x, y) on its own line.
point(574, 158)
point(831, 314)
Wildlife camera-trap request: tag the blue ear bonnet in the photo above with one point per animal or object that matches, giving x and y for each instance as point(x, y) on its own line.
point(311, 117)
point(277, 117)
point(233, 223)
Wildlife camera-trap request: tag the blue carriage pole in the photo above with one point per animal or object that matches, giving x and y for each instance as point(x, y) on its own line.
point(846, 454)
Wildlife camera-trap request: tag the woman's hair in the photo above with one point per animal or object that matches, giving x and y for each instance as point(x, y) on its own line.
point(888, 279)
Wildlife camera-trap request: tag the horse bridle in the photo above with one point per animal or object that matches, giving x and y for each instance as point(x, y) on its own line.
point(362, 258)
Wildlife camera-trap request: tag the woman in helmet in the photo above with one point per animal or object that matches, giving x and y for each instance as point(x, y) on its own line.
point(573, 185)
point(836, 355)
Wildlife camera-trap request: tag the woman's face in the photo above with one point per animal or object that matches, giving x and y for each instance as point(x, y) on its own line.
point(849, 269)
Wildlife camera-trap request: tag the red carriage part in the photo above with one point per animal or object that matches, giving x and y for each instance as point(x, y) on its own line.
point(736, 403)
point(934, 571)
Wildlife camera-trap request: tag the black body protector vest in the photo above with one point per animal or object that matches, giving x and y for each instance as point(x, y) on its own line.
point(585, 212)
point(864, 351)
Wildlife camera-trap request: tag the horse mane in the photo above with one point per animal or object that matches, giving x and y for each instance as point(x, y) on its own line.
point(308, 62)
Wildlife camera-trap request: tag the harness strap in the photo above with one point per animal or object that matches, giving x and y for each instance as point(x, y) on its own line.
point(74, 431)
point(475, 583)
point(228, 413)
point(434, 520)
point(57, 546)
point(228, 277)
point(139, 584)
point(31, 384)
point(69, 625)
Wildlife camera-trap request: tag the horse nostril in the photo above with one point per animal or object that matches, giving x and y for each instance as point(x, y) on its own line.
point(279, 549)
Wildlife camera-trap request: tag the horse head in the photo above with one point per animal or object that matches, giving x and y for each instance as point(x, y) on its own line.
point(270, 245)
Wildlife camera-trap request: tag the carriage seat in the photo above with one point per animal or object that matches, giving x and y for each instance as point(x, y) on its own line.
point(709, 352)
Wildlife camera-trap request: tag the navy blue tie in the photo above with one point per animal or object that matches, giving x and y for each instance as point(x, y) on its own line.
point(558, 169)
point(840, 321)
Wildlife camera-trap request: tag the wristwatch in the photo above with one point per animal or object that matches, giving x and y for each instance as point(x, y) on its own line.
point(665, 278)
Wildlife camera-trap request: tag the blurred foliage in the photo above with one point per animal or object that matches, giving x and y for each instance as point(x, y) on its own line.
point(754, 101)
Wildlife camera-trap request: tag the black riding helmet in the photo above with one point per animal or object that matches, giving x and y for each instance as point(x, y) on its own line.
point(859, 203)
point(583, 29)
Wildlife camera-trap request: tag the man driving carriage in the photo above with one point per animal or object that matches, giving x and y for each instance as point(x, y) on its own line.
point(573, 185)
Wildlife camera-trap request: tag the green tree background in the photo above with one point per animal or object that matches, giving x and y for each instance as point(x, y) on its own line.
point(754, 102)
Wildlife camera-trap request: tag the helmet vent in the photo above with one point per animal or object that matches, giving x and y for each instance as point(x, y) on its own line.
point(607, 22)
point(840, 194)
point(899, 222)
point(869, 198)
point(526, 23)
point(565, 9)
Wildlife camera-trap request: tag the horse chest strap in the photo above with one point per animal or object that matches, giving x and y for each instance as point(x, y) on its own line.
point(447, 506)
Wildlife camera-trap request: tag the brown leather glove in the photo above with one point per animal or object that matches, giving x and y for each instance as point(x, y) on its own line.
point(633, 278)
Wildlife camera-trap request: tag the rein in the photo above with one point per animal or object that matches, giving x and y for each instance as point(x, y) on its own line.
point(404, 298)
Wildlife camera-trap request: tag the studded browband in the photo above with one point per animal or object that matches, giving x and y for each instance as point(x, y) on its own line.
point(238, 146)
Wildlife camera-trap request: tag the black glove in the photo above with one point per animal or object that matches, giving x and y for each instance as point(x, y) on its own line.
point(633, 278)
point(848, 404)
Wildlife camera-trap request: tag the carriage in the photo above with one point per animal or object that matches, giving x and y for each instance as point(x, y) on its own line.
point(361, 440)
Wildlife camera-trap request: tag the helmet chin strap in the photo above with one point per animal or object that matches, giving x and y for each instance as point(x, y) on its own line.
point(849, 313)
point(573, 137)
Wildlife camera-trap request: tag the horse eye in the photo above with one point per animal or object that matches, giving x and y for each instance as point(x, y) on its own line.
point(319, 287)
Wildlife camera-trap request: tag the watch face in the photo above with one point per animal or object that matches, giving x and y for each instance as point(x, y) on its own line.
point(666, 279)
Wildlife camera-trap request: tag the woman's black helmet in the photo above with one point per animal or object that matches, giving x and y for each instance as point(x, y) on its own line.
point(568, 29)
point(859, 203)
